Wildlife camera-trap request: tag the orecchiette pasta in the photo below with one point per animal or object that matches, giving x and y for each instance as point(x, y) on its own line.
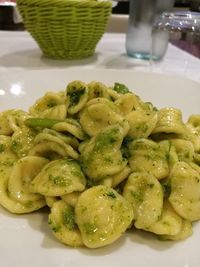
point(169, 223)
point(77, 96)
point(102, 215)
point(141, 123)
point(59, 177)
point(148, 156)
point(145, 194)
point(186, 231)
point(51, 105)
point(93, 120)
point(185, 191)
point(62, 222)
point(102, 156)
point(22, 141)
point(23, 172)
point(169, 121)
point(103, 161)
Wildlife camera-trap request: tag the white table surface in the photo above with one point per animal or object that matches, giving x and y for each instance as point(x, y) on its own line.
point(19, 51)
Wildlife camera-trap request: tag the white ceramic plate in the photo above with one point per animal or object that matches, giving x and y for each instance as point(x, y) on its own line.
point(26, 241)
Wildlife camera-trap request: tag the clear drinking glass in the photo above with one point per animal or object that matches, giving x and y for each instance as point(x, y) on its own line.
point(180, 28)
point(142, 14)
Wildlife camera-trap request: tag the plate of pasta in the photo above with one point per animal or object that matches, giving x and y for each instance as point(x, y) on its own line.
point(99, 167)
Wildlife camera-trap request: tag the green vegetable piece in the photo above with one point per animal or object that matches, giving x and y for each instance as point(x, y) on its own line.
point(121, 88)
point(40, 122)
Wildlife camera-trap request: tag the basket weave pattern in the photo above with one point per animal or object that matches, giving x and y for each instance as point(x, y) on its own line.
point(68, 29)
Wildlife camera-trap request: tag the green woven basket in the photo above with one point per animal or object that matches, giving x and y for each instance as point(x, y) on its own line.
point(65, 29)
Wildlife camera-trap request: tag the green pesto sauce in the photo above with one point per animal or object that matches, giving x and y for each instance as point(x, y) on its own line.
point(89, 228)
point(75, 169)
point(108, 159)
point(69, 218)
point(153, 156)
point(143, 127)
point(125, 147)
point(2, 148)
point(166, 189)
point(111, 195)
point(56, 228)
point(7, 163)
point(127, 140)
point(59, 180)
point(167, 155)
point(75, 96)
point(16, 146)
point(103, 140)
point(77, 173)
point(91, 183)
point(138, 196)
point(125, 152)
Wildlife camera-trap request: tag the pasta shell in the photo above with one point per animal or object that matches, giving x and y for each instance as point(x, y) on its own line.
point(169, 121)
point(62, 222)
point(147, 156)
point(21, 176)
point(145, 194)
point(49, 150)
point(97, 89)
point(51, 105)
point(77, 96)
point(59, 177)
point(141, 123)
point(6, 153)
point(14, 206)
point(185, 191)
point(102, 156)
point(70, 126)
point(48, 141)
point(184, 149)
point(11, 120)
point(126, 103)
point(102, 215)
point(97, 115)
point(22, 141)
point(170, 223)
point(193, 131)
point(185, 232)
point(71, 199)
